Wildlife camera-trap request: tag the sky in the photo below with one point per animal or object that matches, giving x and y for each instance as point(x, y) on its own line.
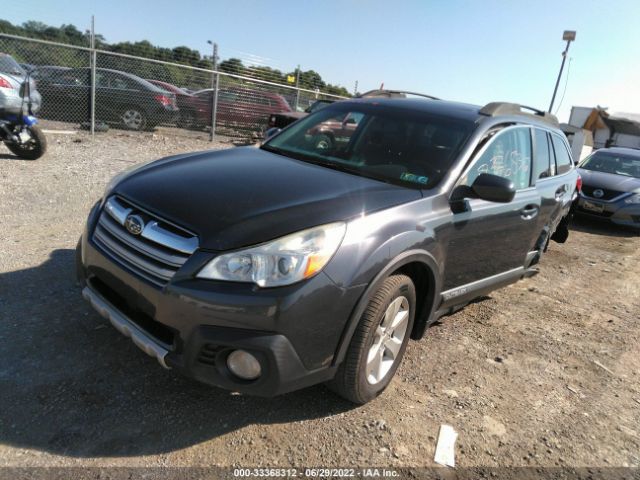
point(462, 50)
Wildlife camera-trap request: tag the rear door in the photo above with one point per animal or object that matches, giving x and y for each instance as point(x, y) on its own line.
point(488, 238)
point(544, 178)
point(565, 179)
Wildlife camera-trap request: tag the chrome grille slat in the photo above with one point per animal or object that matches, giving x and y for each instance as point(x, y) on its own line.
point(135, 260)
point(117, 231)
point(155, 254)
point(120, 261)
point(152, 231)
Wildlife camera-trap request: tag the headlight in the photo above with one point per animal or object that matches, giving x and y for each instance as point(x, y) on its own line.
point(280, 262)
point(633, 199)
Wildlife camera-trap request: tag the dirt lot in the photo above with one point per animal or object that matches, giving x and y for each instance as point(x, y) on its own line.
point(543, 373)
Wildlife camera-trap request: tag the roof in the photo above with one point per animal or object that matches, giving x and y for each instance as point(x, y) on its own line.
point(463, 111)
point(633, 152)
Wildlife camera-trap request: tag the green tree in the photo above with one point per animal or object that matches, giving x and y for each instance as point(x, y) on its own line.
point(69, 34)
point(232, 65)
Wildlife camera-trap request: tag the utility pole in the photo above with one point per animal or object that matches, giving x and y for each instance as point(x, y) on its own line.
point(92, 42)
point(355, 89)
point(295, 107)
point(214, 89)
point(569, 36)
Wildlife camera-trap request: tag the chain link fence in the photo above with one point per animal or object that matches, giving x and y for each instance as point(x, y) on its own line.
point(98, 89)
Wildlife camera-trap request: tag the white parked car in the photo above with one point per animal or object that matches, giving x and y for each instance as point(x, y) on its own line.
point(14, 90)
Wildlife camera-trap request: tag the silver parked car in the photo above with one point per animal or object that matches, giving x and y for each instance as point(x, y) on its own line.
point(14, 94)
point(611, 186)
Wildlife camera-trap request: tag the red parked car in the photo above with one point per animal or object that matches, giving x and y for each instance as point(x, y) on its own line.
point(242, 107)
point(192, 113)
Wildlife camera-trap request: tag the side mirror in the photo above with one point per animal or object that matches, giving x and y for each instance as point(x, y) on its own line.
point(271, 132)
point(493, 188)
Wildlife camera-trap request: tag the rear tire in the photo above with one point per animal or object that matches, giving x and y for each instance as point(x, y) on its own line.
point(133, 118)
point(34, 148)
point(379, 342)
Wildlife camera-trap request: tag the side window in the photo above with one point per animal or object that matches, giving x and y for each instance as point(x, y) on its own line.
point(507, 155)
point(77, 78)
point(542, 161)
point(120, 83)
point(101, 80)
point(563, 159)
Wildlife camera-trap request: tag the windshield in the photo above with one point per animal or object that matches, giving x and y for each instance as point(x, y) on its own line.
point(609, 162)
point(394, 145)
point(9, 65)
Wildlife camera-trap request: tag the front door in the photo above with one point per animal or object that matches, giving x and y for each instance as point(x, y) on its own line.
point(488, 238)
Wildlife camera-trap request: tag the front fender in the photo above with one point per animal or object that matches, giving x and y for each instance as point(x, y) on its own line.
point(406, 257)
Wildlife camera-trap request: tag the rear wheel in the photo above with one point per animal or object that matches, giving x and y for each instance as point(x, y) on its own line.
point(132, 118)
point(379, 342)
point(33, 148)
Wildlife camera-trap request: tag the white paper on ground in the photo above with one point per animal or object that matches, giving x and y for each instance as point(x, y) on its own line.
point(445, 448)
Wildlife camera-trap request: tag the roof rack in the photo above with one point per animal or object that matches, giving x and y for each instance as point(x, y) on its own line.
point(505, 108)
point(393, 94)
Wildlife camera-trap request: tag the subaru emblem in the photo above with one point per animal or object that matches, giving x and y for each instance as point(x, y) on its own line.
point(134, 224)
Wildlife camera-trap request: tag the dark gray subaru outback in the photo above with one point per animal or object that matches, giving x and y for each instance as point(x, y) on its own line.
point(315, 257)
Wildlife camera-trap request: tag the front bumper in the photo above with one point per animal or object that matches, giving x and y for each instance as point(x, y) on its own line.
point(191, 325)
point(617, 211)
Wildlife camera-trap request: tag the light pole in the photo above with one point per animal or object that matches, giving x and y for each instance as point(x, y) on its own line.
point(569, 36)
point(214, 89)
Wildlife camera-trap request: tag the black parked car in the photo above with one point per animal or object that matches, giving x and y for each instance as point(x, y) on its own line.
point(264, 270)
point(611, 186)
point(121, 98)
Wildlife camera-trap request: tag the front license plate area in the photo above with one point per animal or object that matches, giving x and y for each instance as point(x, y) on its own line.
point(593, 207)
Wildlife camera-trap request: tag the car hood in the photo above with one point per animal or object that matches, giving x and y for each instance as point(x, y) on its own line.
point(609, 181)
point(244, 196)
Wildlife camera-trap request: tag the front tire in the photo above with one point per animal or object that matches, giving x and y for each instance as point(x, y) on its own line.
point(379, 342)
point(34, 148)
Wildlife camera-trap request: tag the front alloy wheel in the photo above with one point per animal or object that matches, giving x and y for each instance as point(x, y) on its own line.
point(388, 340)
point(379, 342)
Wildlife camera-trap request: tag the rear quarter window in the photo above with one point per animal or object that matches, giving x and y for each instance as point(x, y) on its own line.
point(563, 158)
point(542, 167)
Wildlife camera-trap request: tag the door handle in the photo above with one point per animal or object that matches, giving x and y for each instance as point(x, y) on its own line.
point(560, 192)
point(529, 211)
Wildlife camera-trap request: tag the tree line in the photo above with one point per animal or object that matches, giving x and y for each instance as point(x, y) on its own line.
point(25, 52)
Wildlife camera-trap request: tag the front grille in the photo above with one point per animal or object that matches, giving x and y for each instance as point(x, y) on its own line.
point(607, 194)
point(155, 254)
point(209, 353)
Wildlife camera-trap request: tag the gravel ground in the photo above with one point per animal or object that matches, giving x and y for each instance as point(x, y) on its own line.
point(543, 373)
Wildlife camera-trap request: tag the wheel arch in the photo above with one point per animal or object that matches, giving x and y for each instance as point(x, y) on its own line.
point(422, 268)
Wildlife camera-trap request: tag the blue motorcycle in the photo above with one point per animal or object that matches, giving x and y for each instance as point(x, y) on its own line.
point(18, 100)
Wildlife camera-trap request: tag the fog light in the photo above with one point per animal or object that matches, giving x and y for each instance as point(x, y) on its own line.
point(244, 365)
